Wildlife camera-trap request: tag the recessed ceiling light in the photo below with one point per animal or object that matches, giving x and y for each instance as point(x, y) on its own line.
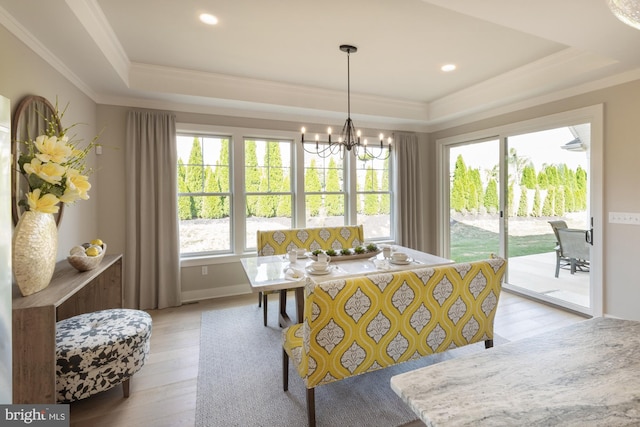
point(208, 19)
point(448, 67)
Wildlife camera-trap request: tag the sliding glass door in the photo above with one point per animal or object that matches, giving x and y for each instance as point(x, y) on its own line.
point(548, 187)
point(474, 204)
point(505, 195)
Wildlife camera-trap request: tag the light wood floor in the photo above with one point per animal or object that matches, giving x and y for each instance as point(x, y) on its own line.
point(163, 393)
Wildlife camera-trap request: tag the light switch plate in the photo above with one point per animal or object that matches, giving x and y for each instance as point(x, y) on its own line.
point(624, 218)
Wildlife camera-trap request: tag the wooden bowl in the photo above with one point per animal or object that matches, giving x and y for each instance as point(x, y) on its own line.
point(86, 263)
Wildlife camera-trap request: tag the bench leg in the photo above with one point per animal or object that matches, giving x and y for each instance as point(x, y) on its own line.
point(311, 407)
point(125, 387)
point(259, 299)
point(488, 343)
point(285, 370)
point(265, 300)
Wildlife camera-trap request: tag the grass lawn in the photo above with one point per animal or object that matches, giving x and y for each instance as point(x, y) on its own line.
point(470, 243)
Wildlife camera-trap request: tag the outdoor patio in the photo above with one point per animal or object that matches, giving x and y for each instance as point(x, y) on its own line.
point(536, 273)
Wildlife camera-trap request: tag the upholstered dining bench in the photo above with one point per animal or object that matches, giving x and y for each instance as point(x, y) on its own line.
point(361, 324)
point(99, 350)
point(279, 242)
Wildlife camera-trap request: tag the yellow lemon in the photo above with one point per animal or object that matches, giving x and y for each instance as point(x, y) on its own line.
point(96, 242)
point(92, 251)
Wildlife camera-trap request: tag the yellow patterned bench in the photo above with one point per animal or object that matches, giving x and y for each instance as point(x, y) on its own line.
point(361, 324)
point(278, 242)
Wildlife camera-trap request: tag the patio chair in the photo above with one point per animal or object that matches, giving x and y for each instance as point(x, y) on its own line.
point(561, 260)
point(575, 248)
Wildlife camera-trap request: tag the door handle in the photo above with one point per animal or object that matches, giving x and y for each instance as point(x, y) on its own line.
point(588, 235)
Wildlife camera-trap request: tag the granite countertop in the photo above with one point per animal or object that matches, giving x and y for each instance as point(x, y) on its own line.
point(586, 374)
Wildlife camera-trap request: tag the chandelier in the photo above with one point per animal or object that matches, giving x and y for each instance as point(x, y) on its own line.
point(349, 138)
point(628, 11)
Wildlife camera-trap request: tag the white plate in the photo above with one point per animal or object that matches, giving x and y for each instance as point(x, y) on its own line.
point(405, 262)
point(303, 256)
point(317, 273)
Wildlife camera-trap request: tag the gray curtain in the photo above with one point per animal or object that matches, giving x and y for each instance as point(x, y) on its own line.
point(409, 212)
point(152, 255)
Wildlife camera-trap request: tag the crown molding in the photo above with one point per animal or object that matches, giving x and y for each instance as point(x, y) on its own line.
point(21, 33)
point(591, 86)
point(160, 79)
point(567, 67)
point(92, 18)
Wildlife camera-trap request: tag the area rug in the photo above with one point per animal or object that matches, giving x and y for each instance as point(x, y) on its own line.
point(240, 379)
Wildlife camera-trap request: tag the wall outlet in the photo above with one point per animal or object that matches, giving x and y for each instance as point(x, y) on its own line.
point(624, 218)
point(205, 270)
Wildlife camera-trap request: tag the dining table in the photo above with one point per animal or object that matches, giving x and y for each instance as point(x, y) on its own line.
point(278, 273)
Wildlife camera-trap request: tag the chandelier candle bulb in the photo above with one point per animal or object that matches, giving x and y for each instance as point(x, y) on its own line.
point(303, 131)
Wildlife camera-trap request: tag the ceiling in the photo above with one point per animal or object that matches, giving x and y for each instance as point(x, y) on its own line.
point(281, 59)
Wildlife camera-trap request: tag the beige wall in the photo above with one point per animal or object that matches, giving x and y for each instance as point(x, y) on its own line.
point(25, 73)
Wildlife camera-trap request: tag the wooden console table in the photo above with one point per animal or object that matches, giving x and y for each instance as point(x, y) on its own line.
point(34, 322)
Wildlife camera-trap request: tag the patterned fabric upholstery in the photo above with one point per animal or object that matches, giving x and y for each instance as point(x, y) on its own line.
point(278, 242)
point(99, 350)
point(360, 324)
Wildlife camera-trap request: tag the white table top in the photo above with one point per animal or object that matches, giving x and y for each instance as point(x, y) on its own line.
point(267, 273)
point(586, 374)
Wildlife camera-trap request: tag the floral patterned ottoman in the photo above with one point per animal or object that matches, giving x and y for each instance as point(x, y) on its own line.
point(99, 350)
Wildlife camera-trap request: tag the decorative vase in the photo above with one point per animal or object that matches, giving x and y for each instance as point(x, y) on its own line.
point(35, 245)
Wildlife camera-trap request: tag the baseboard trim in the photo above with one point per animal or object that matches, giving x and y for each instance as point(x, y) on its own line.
point(226, 291)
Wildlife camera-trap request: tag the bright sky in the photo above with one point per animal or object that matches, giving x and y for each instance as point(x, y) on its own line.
point(539, 147)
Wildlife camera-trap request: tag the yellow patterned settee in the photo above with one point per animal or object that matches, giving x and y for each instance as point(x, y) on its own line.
point(361, 324)
point(278, 242)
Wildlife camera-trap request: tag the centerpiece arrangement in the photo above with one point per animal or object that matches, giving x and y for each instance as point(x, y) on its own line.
point(347, 254)
point(54, 168)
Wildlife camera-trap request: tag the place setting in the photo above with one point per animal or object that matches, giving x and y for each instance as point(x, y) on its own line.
point(391, 256)
point(400, 258)
point(319, 268)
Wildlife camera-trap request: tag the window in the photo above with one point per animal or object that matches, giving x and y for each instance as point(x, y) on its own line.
point(268, 187)
point(374, 197)
point(324, 194)
point(204, 197)
point(276, 185)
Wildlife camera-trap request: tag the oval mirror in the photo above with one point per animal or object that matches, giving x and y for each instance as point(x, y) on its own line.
point(29, 120)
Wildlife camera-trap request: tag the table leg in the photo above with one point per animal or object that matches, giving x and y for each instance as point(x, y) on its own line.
point(284, 317)
point(285, 320)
